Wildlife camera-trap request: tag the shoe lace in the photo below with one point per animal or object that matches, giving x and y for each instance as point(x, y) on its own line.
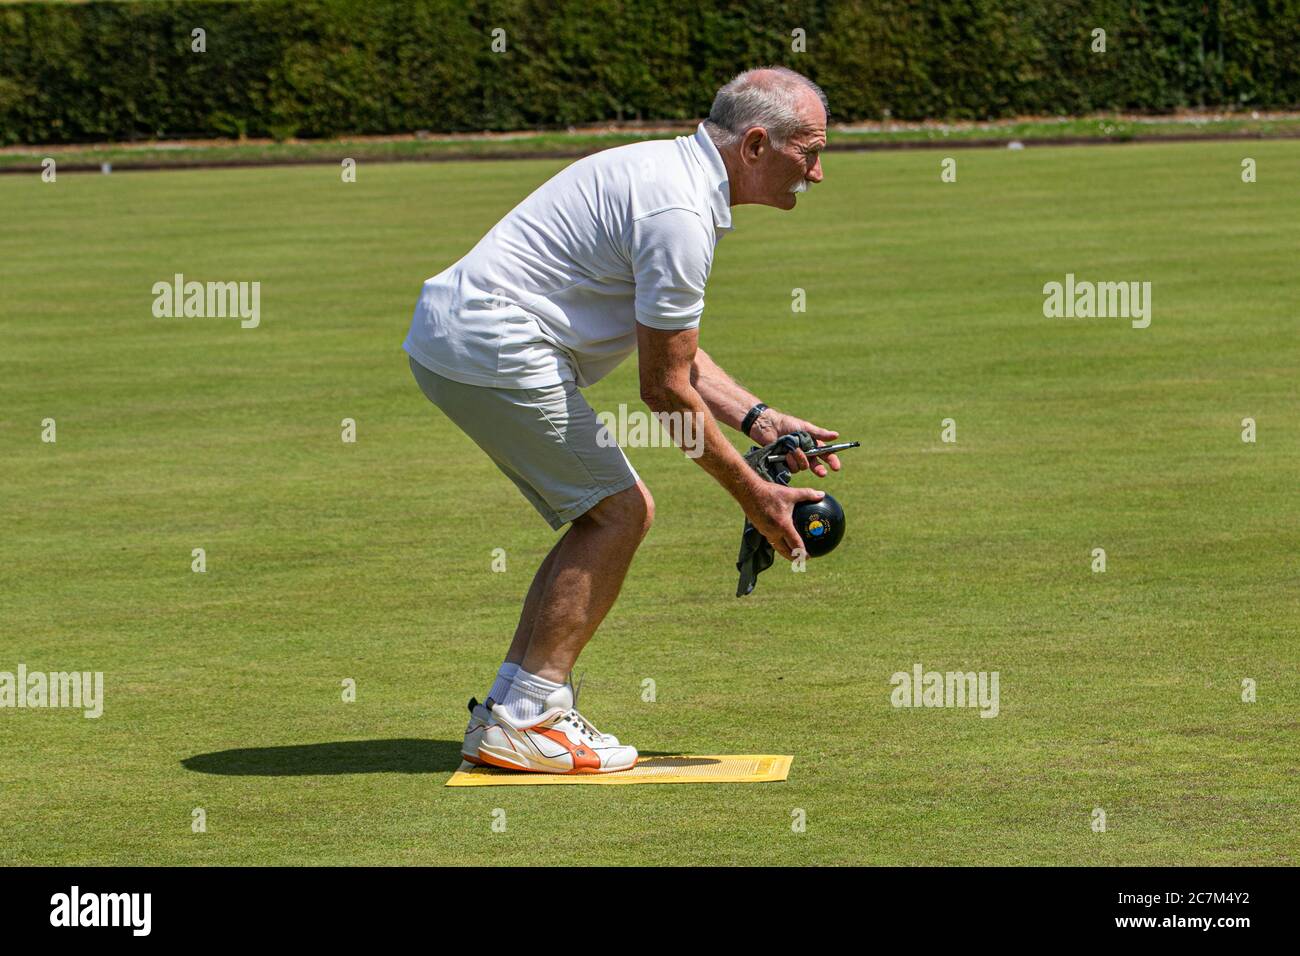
point(579, 721)
point(583, 724)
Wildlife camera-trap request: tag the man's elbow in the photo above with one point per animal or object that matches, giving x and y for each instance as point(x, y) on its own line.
point(663, 397)
point(655, 397)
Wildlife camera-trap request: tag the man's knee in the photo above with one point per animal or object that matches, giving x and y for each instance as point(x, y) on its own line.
point(632, 510)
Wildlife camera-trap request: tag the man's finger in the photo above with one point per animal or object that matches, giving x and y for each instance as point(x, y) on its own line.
point(792, 541)
point(782, 547)
point(823, 433)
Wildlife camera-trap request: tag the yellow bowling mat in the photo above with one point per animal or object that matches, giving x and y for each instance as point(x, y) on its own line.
point(727, 768)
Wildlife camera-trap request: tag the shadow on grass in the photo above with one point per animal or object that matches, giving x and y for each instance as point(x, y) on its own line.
point(347, 756)
point(344, 756)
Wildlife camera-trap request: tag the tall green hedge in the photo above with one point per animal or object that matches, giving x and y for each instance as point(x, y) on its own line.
point(120, 71)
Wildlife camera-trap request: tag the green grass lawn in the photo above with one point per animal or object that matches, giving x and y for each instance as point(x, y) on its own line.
point(372, 561)
point(1099, 128)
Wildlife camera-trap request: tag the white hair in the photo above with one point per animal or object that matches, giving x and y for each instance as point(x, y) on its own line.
point(764, 97)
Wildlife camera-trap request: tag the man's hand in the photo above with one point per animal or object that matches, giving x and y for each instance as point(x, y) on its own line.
point(772, 424)
point(770, 508)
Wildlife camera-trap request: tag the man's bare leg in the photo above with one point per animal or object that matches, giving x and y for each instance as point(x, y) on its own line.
point(541, 580)
point(568, 600)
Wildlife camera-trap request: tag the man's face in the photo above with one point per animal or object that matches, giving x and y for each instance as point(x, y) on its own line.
point(778, 175)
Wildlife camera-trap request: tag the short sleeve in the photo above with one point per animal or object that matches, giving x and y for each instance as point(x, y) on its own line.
point(672, 254)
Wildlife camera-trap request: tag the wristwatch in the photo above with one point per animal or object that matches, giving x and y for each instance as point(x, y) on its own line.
point(752, 417)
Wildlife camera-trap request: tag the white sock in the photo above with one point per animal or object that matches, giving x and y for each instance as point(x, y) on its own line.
point(527, 697)
point(501, 686)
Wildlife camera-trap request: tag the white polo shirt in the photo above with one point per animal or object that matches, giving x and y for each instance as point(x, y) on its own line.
point(554, 291)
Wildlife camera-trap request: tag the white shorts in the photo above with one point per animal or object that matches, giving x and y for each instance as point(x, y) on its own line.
point(544, 439)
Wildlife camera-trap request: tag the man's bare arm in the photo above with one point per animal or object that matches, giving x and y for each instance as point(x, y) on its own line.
point(667, 362)
point(728, 400)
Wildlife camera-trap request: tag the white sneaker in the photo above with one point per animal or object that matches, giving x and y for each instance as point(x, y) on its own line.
point(561, 740)
point(479, 716)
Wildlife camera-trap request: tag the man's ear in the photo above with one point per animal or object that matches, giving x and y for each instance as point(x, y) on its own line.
point(753, 143)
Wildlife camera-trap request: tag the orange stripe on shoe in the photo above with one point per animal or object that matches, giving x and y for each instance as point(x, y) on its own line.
point(487, 760)
point(584, 759)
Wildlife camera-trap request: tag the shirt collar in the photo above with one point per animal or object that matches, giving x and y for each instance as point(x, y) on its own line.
point(715, 172)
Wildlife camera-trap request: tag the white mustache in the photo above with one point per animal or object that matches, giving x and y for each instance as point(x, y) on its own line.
point(801, 186)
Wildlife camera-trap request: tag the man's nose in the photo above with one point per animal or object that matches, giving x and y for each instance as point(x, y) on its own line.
point(815, 174)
